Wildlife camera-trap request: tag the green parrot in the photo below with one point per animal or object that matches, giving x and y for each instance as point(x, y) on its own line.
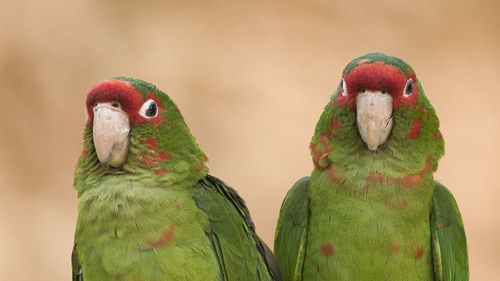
point(371, 209)
point(148, 209)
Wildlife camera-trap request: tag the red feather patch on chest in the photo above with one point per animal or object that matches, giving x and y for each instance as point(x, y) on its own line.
point(129, 98)
point(327, 250)
point(394, 248)
point(419, 252)
point(165, 238)
point(334, 177)
point(416, 179)
point(377, 76)
point(408, 181)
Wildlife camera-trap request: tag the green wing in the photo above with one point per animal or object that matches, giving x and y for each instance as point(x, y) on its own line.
point(449, 245)
point(291, 232)
point(242, 255)
point(75, 265)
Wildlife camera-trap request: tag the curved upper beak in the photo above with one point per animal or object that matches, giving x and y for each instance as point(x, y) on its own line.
point(110, 132)
point(374, 118)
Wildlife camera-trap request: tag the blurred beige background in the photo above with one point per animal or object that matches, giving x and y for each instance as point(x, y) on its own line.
point(251, 79)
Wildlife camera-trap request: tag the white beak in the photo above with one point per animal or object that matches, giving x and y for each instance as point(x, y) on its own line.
point(110, 131)
point(374, 117)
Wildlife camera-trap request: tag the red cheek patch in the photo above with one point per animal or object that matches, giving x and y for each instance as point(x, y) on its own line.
point(334, 125)
point(150, 160)
point(161, 172)
point(164, 155)
point(424, 112)
point(151, 143)
point(415, 130)
point(333, 176)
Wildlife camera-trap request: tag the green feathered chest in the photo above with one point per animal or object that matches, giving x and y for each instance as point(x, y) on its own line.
point(378, 231)
point(129, 232)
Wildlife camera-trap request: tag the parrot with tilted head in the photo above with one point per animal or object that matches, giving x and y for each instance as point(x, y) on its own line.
point(148, 209)
point(371, 209)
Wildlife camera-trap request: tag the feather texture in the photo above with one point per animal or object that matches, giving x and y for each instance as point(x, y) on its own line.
point(448, 238)
point(291, 232)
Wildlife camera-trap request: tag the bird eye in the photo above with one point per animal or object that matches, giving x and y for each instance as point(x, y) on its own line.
point(149, 109)
point(408, 88)
point(344, 87)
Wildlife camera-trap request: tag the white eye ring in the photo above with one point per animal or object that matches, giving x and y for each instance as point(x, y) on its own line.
point(149, 109)
point(408, 88)
point(344, 87)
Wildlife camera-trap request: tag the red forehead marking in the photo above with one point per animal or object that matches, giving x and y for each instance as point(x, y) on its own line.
point(377, 76)
point(129, 98)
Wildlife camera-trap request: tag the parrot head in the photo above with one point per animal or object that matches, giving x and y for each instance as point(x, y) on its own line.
point(135, 129)
point(378, 115)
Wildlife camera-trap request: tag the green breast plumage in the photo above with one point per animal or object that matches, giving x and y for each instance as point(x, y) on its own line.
point(376, 234)
point(142, 233)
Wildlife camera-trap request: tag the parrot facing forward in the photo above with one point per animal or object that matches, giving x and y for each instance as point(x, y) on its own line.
point(148, 210)
point(371, 209)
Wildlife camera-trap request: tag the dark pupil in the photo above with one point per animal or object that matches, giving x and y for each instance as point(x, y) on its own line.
point(409, 87)
point(151, 110)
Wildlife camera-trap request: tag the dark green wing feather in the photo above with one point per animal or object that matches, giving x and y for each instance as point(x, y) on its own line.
point(75, 265)
point(241, 253)
point(449, 245)
point(291, 232)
